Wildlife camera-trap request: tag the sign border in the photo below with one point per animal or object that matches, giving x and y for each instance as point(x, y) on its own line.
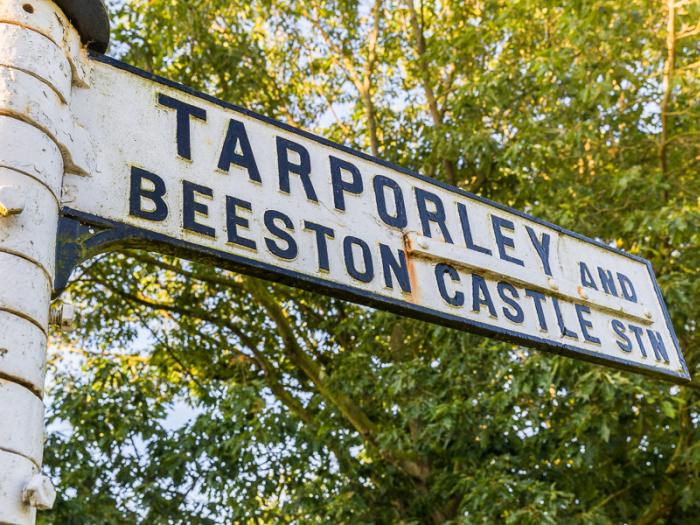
point(246, 265)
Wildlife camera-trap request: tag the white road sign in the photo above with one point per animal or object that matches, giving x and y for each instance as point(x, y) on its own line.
point(172, 167)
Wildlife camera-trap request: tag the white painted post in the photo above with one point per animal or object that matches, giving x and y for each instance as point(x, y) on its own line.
point(41, 61)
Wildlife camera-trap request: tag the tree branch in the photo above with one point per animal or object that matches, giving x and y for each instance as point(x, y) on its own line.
point(435, 113)
point(363, 85)
point(669, 67)
point(351, 411)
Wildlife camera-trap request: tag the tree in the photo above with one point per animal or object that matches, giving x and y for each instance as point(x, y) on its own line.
point(307, 409)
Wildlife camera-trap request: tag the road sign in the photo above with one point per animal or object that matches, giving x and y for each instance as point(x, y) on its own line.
point(193, 175)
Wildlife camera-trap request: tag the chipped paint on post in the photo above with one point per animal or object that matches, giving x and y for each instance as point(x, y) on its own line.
point(42, 60)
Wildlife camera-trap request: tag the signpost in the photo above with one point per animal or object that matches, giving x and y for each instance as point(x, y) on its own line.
point(202, 178)
point(118, 157)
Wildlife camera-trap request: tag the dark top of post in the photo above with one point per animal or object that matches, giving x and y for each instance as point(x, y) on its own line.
point(91, 19)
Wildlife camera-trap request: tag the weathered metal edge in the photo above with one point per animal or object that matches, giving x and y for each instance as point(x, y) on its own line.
point(667, 318)
point(91, 19)
point(129, 236)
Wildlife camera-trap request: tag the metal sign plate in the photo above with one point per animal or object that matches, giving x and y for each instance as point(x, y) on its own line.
point(193, 175)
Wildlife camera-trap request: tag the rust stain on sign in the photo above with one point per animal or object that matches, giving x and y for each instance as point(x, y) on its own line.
point(415, 296)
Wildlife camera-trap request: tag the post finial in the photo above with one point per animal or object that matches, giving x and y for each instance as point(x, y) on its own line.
point(91, 19)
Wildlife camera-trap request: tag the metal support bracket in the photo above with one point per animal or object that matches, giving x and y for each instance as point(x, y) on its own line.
point(77, 241)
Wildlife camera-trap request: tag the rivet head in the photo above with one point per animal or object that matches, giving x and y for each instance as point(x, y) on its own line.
point(422, 243)
point(552, 283)
point(582, 292)
point(647, 314)
point(39, 492)
point(11, 201)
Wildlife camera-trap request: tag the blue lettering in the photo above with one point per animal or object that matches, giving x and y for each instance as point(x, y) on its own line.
point(233, 221)
point(481, 295)
point(538, 298)
point(137, 193)
point(291, 250)
point(400, 220)
point(286, 166)
point(322, 234)
point(637, 331)
point(587, 277)
point(441, 270)
point(503, 241)
point(627, 287)
point(183, 112)
point(657, 345)
point(437, 216)
point(341, 186)
point(560, 321)
point(365, 275)
point(515, 315)
point(237, 135)
point(606, 280)
point(398, 267)
point(585, 324)
point(467, 232)
point(541, 247)
point(191, 208)
point(619, 329)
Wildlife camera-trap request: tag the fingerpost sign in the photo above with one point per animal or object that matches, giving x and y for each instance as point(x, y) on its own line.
point(203, 178)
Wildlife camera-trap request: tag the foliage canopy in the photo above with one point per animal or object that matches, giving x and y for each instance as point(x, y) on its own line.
point(306, 409)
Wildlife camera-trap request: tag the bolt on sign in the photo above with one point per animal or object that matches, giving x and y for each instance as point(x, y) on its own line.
point(191, 175)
